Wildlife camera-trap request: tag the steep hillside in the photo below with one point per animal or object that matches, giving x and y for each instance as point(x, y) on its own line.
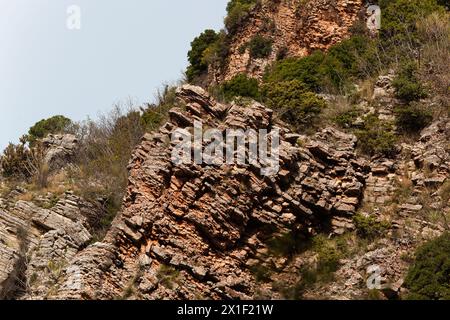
point(356, 204)
point(291, 28)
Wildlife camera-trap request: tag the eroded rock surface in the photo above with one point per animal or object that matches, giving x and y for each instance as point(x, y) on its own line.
point(195, 231)
point(297, 28)
point(37, 243)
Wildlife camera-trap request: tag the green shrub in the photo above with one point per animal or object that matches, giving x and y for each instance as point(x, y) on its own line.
point(102, 160)
point(288, 244)
point(168, 276)
point(308, 71)
point(260, 47)
point(400, 17)
point(413, 118)
point(347, 118)
point(197, 65)
point(237, 11)
point(154, 115)
point(14, 161)
point(444, 3)
point(240, 86)
point(355, 57)
point(369, 227)
point(429, 276)
point(352, 58)
point(376, 137)
point(53, 125)
point(329, 256)
point(294, 102)
point(407, 85)
point(216, 53)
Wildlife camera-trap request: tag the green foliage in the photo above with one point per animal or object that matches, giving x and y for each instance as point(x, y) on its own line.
point(237, 11)
point(429, 276)
point(167, 276)
point(376, 137)
point(400, 17)
point(352, 58)
point(413, 118)
point(329, 256)
point(347, 118)
point(105, 150)
point(407, 85)
point(294, 102)
point(216, 52)
point(14, 161)
point(444, 3)
point(260, 47)
point(240, 86)
point(288, 244)
point(197, 65)
point(155, 114)
point(369, 227)
point(56, 124)
point(261, 273)
point(308, 71)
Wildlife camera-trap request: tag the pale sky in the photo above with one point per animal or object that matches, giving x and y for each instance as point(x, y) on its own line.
point(125, 48)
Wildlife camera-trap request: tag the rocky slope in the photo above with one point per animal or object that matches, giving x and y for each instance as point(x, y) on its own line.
point(199, 231)
point(296, 28)
point(194, 231)
point(206, 231)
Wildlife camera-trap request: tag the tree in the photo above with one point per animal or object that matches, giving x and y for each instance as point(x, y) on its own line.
point(197, 65)
point(53, 125)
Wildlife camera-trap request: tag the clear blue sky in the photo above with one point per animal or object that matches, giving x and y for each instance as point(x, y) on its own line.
point(125, 48)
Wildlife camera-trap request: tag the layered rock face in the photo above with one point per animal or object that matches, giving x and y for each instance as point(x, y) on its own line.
point(60, 149)
point(296, 28)
point(208, 231)
point(194, 231)
point(36, 244)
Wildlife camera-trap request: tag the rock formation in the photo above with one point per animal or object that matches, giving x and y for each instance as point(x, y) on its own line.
point(196, 231)
point(38, 242)
point(296, 29)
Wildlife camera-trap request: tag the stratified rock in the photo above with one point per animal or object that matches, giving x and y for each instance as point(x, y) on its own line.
point(37, 244)
point(296, 28)
point(59, 149)
point(201, 224)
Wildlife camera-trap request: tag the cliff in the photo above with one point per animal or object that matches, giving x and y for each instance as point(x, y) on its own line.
point(320, 226)
point(295, 29)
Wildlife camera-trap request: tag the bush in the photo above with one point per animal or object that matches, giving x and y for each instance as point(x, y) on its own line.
point(294, 102)
point(352, 58)
point(407, 85)
point(356, 57)
point(260, 47)
point(400, 17)
point(237, 11)
point(347, 119)
point(14, 161)
point(429, 276)
point(53, 125)
point(155, 114)
point(216, 53)
point(240, 86)
point(413, 118)
point(105, 149)
point(307, 71)
point(434, 33)
point(288, 244)
point(369, 227)
point(197, 65)
point(376, 137)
